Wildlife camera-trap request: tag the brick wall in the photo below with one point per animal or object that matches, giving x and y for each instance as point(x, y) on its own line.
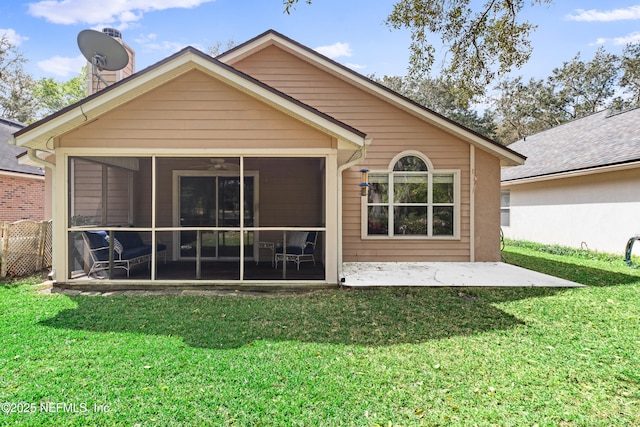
point(21, 198)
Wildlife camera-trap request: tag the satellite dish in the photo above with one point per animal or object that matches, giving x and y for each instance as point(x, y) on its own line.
point(103, 51)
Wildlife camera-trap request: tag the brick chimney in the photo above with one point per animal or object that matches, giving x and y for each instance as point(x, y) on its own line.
point(93, 82)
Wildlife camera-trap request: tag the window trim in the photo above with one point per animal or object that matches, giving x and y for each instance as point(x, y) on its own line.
point(431, 171)
point(505, 208)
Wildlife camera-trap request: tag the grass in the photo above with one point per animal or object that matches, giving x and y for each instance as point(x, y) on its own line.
point(399, 357)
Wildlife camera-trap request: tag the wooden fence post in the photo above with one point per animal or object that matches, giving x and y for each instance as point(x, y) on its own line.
point(42, 231)
point(4, 249)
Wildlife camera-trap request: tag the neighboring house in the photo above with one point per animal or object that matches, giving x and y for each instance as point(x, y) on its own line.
point(220, 161)
point(21, 186)
point(580, 186)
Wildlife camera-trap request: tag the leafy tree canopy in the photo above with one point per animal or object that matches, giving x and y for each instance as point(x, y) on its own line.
point(483, 41)
point(52, 96)
point(440, 96)
point(576, 89)
point(24, 99)
point(16, 99)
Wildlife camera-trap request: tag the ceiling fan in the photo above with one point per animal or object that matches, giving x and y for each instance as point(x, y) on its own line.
point(217, 163)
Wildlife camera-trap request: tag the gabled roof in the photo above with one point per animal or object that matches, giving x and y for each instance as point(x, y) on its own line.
point(507, 156)
point(9, 154)
point(38, 134)
point(586, 145)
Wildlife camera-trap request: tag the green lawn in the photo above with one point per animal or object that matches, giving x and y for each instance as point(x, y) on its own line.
point(399, 357)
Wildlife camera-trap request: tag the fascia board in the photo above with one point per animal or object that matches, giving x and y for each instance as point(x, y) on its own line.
point(572, 174)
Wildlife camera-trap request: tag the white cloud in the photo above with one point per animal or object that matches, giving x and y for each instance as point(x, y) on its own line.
point(593, 15)
point(12, 37)
point(335, 50)
point(620, 41)
point(629, 38)
point(63, 66)
point(120, 12)
point(149, 42)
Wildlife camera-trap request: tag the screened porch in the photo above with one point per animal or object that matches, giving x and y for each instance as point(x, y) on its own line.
point(204, 219)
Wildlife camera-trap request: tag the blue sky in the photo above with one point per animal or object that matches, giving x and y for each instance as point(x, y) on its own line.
point(351, 32)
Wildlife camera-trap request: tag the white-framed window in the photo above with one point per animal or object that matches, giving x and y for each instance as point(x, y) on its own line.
point(505, 208)
point(412, 200)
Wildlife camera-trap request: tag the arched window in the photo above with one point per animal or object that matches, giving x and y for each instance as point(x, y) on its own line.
point(412, 200)
point(410, 163)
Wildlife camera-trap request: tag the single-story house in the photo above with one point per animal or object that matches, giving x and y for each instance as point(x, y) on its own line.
point(269, 163)
point(22, 187)
point(580, 186)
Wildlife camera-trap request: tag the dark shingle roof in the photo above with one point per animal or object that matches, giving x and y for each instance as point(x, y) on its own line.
point(9, 153)
point(600, 139)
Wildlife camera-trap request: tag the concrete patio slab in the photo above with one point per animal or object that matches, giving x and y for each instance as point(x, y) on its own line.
point(489, 274)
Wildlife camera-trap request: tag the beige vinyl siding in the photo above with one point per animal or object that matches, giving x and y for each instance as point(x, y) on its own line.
point(392, 131)
point(487, 207)
point(196, 111)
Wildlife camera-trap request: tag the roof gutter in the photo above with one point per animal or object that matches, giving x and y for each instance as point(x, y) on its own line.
point(572, 174)
point(32, 153)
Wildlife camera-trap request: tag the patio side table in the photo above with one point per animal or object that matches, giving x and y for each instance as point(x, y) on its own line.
point(270, 246)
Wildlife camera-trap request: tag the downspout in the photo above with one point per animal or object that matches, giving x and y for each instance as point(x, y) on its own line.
point(351, 162)
point(32, 153)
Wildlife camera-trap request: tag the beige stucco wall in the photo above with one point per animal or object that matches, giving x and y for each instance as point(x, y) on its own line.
point(392, 131)
point(600, 211)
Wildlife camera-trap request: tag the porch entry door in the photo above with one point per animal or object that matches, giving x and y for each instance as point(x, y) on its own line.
point(214, 201)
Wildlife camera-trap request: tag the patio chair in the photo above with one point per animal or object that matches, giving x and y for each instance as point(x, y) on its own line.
point(300, 248)
point(128, 250)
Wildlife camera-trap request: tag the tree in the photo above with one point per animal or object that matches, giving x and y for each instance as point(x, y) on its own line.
point(16, 85)
point(523, 109)
point(216, 48)
point(440, 96)
point(52, 96)
point(576, 89)
point(630, 80)
point(483, 43)
point(586, 87)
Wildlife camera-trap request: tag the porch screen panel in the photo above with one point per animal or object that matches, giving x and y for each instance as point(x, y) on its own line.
point(118, 196)
point(197, 201)
point(102, 199)
point(85, 193)
point(291, 191)
point(100, 193)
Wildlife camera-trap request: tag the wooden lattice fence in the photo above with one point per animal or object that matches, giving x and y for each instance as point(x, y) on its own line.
point(25, 247)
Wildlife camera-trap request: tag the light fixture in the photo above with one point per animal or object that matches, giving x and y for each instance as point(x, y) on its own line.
point(364, 185)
